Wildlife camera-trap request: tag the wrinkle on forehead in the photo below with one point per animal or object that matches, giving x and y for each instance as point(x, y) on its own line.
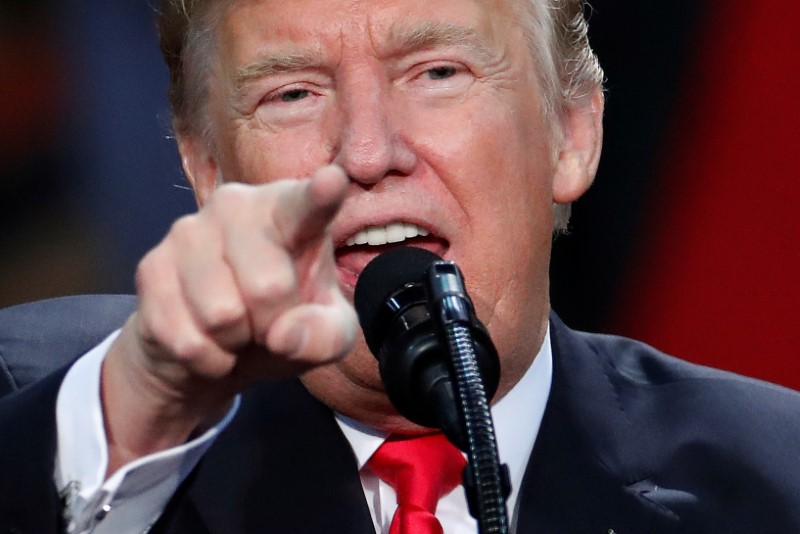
point(386, 38)
point(402, 38)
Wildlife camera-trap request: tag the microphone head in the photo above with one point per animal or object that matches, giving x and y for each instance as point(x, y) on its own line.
point(384, 275)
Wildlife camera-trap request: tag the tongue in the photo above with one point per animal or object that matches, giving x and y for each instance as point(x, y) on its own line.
point(350, 261)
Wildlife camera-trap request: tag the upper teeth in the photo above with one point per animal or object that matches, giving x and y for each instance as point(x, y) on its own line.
point(391, 233)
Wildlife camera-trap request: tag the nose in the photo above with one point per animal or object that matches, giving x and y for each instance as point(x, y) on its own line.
point(371, 143)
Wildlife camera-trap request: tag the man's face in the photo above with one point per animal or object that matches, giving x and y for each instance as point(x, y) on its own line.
point(432, 107)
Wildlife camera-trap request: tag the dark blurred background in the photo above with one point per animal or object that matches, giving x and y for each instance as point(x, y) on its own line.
point(688, 239)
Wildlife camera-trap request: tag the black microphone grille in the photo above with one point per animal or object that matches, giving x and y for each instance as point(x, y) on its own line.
point(384, 275)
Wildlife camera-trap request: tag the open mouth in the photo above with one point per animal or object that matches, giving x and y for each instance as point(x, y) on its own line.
point(382, 235)
point(359, 249)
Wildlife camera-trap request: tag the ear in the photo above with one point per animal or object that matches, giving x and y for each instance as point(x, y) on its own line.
point(200, 165)
point(580, 151)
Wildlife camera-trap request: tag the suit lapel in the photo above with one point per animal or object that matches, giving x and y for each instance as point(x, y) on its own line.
point(585, 463)
point(28, 498)
point(282, 463)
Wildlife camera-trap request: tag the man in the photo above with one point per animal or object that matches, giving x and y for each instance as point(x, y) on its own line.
point(316, 134)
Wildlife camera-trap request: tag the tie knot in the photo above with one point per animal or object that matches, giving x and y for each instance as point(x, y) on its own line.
point(420, 469)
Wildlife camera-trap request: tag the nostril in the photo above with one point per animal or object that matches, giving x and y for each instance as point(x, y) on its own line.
point(366, 166)
point(370, 152)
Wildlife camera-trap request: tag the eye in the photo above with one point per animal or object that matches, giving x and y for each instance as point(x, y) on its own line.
point(293, 95)
point(442, 77)
point(441, 73)
point(291, 104)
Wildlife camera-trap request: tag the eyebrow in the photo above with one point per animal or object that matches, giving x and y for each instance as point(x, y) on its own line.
point(275, 63)
point(402, 39)
point(405, 38)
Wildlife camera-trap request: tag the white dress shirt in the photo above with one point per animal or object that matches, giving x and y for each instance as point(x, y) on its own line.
point(131, 499)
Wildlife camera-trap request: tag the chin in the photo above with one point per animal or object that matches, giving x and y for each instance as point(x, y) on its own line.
point(353, 387)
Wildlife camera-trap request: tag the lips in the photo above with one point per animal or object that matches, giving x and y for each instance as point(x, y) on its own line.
point(359, 248)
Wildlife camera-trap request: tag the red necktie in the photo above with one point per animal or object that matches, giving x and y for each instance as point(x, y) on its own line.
point(421, 470)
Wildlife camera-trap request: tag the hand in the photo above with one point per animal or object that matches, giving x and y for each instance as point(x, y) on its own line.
point(244, 290)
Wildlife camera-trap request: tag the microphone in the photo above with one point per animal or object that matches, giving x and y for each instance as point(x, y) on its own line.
point(402, 297)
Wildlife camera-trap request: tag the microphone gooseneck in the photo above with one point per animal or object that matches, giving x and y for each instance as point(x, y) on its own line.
point(438, 363)
point(486, 481)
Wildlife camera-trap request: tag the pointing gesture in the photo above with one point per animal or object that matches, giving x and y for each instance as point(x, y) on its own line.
point(243, 290)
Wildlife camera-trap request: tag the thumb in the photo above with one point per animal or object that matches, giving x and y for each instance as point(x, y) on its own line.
point(315, 333)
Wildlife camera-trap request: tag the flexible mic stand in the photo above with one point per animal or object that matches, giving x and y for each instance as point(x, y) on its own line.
point(486, 481)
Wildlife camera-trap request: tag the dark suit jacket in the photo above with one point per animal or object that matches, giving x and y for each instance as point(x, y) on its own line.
point(632, 441)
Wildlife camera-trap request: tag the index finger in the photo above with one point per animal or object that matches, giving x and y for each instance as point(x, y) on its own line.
point(302, 214)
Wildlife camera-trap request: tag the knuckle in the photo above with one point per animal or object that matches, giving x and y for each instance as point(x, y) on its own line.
point(278, 295)
point(154, 331)
point(150, 269)
point(271, 289)
point(175, 344)
point(222, 315)
point(188, 348)
point(184, 229)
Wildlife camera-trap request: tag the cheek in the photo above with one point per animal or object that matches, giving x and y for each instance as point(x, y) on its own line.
point(259, 156)
point(504, 188)
point(490, 140)
point(501, 173)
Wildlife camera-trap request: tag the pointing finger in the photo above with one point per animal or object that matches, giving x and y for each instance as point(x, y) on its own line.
point(303, 213)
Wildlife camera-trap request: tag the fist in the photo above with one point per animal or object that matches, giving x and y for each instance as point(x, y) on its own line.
point(243, 290)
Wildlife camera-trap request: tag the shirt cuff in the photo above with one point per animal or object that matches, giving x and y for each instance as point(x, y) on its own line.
point(133, 497)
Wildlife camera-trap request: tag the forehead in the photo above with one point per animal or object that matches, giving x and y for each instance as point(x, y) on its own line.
point(252, 27)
